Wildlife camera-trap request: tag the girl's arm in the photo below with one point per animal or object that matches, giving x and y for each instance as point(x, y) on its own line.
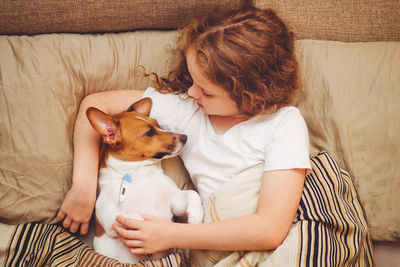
point(77, 207)
point(279, 198)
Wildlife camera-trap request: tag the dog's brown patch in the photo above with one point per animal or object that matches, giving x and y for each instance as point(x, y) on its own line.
point(99, 230)
point(132, 135)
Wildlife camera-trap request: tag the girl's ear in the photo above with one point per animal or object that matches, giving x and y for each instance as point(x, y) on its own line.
point(105, 125)
point(143, 106)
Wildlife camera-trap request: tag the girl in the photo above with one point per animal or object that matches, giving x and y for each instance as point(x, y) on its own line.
point(230, 94)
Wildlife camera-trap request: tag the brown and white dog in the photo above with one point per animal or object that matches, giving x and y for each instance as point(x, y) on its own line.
point(131, 180)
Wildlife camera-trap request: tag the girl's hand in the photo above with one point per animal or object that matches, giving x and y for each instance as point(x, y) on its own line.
point(151, 235)
point(76, 209)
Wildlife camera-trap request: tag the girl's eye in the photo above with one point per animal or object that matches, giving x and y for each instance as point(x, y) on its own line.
point(205, 94)
point(150, 132)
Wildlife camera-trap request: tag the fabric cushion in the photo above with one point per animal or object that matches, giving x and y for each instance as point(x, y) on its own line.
point(364, 20)
point(42, 81)
point(53, 16)
point(350, 102)
point(340, 20)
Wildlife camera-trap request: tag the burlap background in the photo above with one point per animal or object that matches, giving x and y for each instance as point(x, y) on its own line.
point(54, 16)
point(339, 20)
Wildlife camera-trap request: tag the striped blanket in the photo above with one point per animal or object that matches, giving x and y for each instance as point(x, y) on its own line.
point(35, 244)
point(329, 230)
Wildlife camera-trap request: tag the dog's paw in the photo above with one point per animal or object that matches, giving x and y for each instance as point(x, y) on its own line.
point(195, 212)
point(187, 204)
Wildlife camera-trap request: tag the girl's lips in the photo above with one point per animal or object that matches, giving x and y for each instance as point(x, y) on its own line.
point(200, 105)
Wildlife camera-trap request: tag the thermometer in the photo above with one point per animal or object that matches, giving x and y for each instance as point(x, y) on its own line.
point(124, 187)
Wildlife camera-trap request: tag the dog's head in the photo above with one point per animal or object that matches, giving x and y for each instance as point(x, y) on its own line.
point(133, 136)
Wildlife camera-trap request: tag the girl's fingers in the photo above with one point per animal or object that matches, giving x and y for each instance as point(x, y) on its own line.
point(60, 215)
point(128, 223)
point(138, 251)
point(74, 227)
point(133, 244)
point(84, 228)
point(67, 222)
point(125, 233)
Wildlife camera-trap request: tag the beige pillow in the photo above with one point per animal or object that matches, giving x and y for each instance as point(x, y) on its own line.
point(351, 96)
point(42, 81)
point(351, 105)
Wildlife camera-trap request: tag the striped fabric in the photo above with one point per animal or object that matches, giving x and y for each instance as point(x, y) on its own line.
point(330, 229)
point(94, 259)
point(35, 244)
point(334, 230)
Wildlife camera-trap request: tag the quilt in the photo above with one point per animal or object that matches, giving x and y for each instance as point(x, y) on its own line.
point(330, 229)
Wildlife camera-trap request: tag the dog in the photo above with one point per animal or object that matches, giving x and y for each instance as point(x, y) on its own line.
point(131, 180)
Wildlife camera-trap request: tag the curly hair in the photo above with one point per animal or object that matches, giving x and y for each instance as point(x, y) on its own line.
point(249, 52)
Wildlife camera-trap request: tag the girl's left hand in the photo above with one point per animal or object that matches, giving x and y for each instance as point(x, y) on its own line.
point(151, 235)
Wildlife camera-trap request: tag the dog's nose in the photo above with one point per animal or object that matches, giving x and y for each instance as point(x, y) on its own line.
point(183, 138)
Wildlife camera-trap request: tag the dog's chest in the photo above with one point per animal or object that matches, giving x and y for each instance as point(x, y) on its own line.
point(149, 191)
point(148, 196)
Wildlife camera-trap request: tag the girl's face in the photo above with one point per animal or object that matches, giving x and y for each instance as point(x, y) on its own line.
point(211, 98)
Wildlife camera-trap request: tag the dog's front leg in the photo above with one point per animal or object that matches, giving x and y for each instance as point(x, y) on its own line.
point(187, 202)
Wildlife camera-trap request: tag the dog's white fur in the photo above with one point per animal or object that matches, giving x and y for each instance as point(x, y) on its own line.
point(149, 192)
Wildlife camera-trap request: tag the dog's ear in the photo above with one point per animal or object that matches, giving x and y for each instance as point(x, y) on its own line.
point(105, 125)
point(143, 106)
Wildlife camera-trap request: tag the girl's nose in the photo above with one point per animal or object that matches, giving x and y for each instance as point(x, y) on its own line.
point(193, 92)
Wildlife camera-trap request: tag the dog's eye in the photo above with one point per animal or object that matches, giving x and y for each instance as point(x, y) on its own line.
point(131, 109)
point(150, 132)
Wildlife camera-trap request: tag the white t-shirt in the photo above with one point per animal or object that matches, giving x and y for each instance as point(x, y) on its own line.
point(279, 140)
